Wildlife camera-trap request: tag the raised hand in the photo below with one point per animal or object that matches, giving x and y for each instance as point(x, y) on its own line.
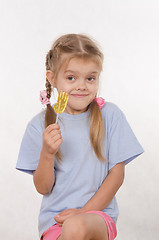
point(52, 139)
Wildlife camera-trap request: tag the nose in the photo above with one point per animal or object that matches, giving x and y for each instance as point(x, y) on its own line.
point(81, 84)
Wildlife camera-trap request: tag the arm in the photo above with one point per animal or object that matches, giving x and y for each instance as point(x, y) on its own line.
point(44, 177)
point(107, 190)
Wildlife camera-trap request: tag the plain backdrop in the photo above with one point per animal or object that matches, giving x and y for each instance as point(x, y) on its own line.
point(128, 33)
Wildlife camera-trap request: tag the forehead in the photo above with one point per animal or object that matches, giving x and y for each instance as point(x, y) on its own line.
point(81, 65)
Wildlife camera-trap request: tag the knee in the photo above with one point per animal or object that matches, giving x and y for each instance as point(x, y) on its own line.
point(74, 228)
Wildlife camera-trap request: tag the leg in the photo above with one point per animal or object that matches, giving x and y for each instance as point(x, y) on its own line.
point(88, 226)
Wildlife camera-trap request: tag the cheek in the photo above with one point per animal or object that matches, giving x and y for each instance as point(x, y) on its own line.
point(63, 87)
point(94, 89)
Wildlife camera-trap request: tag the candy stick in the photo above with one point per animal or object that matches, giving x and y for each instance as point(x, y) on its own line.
point(60, 106)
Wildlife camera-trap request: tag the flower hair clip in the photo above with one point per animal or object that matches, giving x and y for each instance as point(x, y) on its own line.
point(43, 98)
point(100, 101)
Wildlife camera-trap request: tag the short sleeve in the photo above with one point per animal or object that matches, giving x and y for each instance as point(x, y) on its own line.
point(29, 153)
point(122, 142)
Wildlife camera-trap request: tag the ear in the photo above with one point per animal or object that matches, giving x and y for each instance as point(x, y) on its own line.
point(50, 77)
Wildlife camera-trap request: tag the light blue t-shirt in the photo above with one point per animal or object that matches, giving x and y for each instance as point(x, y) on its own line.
point(80, 175)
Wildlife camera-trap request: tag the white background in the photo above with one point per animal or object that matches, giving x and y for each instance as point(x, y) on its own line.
point(128, 32)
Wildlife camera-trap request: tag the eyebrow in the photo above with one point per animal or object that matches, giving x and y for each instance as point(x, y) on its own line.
point(78, 72)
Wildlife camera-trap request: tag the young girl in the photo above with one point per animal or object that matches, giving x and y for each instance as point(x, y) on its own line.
point(77, 164)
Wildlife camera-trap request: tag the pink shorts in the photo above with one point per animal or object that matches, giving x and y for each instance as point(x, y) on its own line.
point(55, 231)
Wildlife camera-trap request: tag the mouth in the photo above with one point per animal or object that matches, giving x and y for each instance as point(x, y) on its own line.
point(79, 95)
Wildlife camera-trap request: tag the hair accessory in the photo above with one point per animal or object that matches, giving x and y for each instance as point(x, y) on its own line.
point(100, 101)
point(43, 98)
point(60, 106)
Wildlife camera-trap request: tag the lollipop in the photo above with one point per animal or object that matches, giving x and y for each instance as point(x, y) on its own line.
point(60, 106)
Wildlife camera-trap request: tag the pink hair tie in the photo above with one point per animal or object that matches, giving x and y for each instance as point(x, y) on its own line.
point(43, 98)
point(100, 101)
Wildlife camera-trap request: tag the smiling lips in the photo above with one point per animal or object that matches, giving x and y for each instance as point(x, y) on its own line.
point(79, 95)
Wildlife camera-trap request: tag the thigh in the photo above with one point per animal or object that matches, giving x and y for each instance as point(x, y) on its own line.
point(108, 222)
point(96, 226)
point(90, 226)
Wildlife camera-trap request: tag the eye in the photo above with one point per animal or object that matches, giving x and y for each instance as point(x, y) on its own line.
point(91, 79)
point(71, 78)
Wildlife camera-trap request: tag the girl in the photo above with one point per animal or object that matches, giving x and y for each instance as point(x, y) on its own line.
point(77, 164)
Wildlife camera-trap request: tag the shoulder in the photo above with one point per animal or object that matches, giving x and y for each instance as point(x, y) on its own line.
point(111, 112)
point(37, 122)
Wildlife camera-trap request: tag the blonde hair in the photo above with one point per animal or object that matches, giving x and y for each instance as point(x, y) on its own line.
point(76, 46)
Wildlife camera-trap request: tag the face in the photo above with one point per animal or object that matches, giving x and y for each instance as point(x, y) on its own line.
point(80, 80)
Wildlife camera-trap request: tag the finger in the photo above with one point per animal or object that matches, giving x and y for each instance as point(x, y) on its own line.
point(54, 139)
point(49, 136)
point(54, 133)
point(63, 213)
point(58, 143)
point(66, 212)
point(59, 221)
point(60, 217)
point(51, 140)
point(52, 127)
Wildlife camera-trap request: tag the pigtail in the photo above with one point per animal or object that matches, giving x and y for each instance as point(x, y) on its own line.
point(50, 115)
point(96, 130)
